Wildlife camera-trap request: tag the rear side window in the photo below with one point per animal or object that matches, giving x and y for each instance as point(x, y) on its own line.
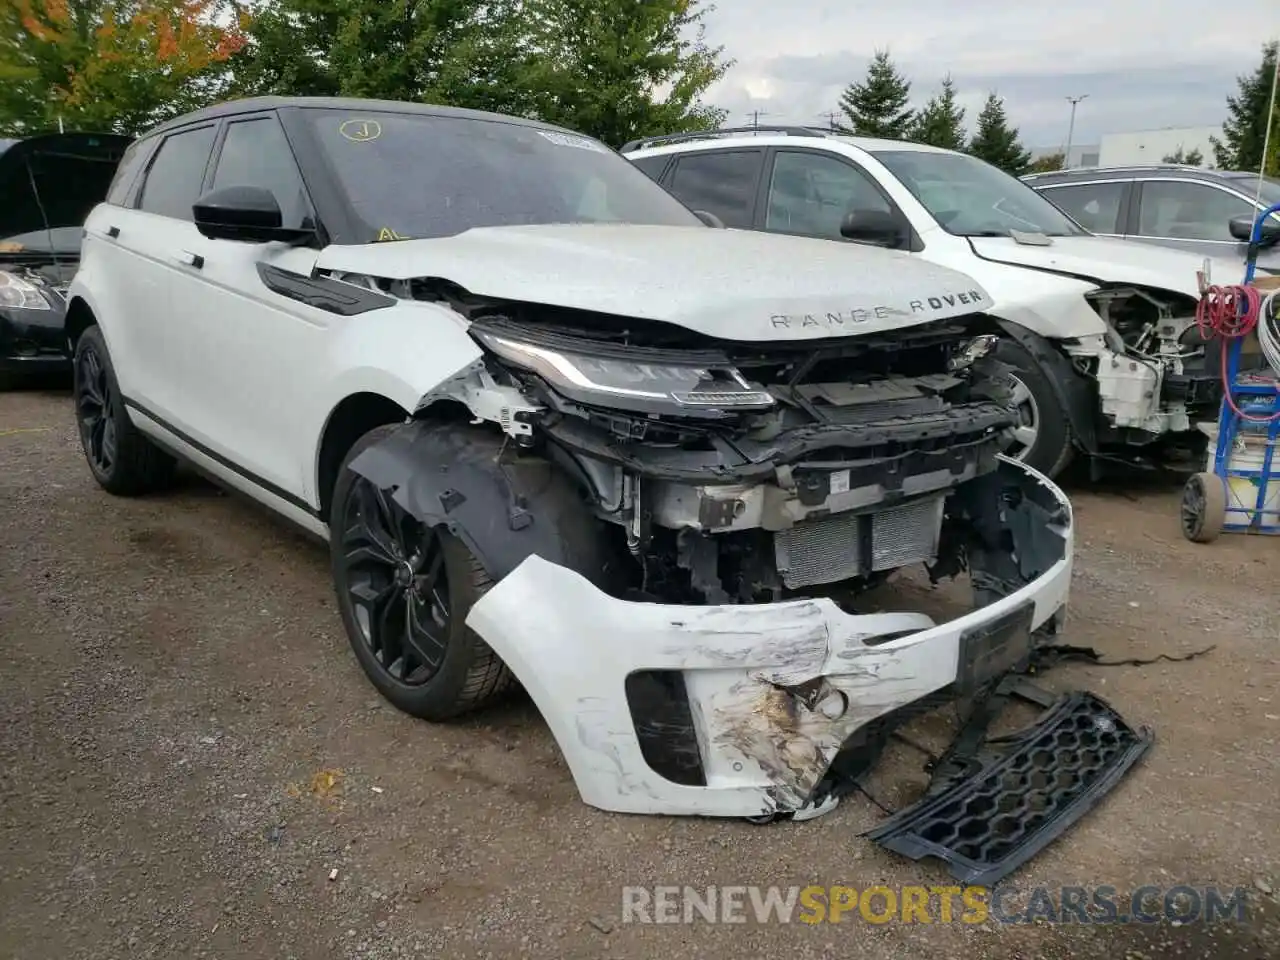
point(1095, 206)
point(173, 183)
point(724, 183)
point(127, 172)
point(652, 167)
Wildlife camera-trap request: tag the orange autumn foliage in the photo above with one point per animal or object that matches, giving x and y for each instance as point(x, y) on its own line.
point(124, 62)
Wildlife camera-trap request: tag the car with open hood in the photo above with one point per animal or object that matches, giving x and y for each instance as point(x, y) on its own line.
point(558, 430)
point(1101, 333)
point(48, 185)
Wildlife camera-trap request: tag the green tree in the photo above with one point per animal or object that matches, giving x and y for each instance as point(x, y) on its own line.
point(619, 69)
point(941, 122)
point(1048, 163)
point(1245, 131)
point(112, 65)
point(996, 142)
point(1194, 159)
point(879, 105)
point(441, 50)
point(615, 69)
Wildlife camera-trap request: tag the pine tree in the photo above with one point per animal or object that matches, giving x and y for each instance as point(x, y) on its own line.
point(941, 122)
point(878, 106)
point(1246, 128)
point(996, 142)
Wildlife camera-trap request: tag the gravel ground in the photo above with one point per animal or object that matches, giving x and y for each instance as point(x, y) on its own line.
point(188, 751)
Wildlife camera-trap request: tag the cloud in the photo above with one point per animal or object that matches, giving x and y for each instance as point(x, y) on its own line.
point(1142, 66)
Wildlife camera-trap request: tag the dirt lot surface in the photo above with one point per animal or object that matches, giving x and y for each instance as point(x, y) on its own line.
point(188, 750)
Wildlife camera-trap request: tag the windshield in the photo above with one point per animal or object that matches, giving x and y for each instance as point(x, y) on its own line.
point(413, 175)
point(1270, 189)
point(971, 198)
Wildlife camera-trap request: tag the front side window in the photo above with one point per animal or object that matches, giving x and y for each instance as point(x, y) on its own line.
point(810, 194)
point(723, 183)
point(173, 183)
point(1095, 206)
point(255, 153)
point(410, 175)
point(1188, 211)
point(971, 198)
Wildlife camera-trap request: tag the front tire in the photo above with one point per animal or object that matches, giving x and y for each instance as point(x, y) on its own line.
point(120, 457)
point(1042, 438)
point(404, 591)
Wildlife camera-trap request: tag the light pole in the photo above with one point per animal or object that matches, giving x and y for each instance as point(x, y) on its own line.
point(1071, 128)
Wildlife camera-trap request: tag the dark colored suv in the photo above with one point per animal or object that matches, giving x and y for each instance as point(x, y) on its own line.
point(1188, 208)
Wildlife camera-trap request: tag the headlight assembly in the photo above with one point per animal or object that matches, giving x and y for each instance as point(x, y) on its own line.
point(19, 294)
point(655, 388)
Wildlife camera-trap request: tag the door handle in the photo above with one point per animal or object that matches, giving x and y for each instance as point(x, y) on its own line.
point(187, 258)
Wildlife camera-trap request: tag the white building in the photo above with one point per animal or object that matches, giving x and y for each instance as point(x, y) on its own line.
point(1152, 146)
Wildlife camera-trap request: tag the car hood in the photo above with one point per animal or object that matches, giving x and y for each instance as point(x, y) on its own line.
point(54, 181)
point(1103, 260)
point(728, 284)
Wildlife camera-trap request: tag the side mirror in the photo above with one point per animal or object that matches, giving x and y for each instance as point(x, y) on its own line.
point(1242, 229)
point(874, 226)
point(710, 219)
point(247, 214)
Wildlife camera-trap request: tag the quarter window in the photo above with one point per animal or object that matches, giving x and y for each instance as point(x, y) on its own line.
point(810, 193)
point(173, 183)
point(255, 153)
point(1188, 211)
point(652, 166)
point(1095, 206)
point(723, 183)
point(127, 172)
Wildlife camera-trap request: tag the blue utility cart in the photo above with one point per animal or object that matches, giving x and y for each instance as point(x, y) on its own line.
point(1239, 491)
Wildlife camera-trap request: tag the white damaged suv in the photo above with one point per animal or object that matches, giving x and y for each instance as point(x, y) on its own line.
point(558, 430)
point(1100, 334)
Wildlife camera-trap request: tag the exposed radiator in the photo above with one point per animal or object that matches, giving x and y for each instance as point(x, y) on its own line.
point(846, 545)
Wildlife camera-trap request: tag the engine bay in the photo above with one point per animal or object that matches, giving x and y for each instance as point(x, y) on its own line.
point(746, 472)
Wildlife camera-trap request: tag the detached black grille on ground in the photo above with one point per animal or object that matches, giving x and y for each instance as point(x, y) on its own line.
point(990, 810)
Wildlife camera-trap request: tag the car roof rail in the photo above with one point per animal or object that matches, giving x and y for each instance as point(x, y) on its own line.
point(787, 131)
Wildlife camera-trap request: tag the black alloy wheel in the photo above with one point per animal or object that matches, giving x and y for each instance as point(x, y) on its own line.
point(96, 410)
point(393, 571)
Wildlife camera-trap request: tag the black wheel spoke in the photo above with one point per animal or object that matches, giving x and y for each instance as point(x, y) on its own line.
point(108, 442)
point(430, 576)
point(387, 628)
point(90, 395)
point(369, 537)
point(423, 635)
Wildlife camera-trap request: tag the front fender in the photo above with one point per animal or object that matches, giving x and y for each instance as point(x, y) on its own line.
point(402, 353)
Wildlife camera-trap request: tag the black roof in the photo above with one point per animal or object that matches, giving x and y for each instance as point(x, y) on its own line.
point(1180, 171)
point(355, 104)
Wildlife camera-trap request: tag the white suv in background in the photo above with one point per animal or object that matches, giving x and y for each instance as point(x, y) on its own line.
point(1101, 333)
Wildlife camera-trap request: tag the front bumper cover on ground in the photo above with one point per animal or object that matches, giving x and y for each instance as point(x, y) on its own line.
point(738, 711)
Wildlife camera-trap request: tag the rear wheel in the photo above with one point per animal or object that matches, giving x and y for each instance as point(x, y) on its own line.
point(1042, 437)
point(120, 457)
point(404, 591)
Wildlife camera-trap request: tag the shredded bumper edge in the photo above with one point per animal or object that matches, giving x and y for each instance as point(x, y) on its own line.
point(734, 710)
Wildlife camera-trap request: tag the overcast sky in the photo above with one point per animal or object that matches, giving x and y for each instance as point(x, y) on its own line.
point(1143, 63)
